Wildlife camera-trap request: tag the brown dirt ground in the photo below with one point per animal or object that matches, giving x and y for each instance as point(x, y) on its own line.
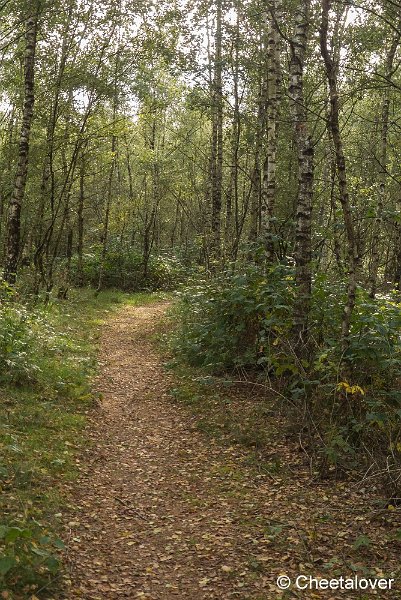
point(164, 511)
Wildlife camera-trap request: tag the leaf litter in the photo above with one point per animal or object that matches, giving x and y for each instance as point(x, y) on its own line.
point(163, 511)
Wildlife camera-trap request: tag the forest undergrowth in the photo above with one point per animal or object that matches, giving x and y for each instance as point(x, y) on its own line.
point(342, 404)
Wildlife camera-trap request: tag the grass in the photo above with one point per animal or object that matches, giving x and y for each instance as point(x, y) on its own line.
point(44, 399)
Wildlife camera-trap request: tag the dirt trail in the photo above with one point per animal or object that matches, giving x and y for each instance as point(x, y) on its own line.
point(158, 510)
point(164, 512)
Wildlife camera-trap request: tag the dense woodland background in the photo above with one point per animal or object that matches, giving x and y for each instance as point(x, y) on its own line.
point(249, 150)
point(190, 130)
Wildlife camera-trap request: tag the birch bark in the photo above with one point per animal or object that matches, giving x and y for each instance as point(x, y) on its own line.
point(305, 151)
point(17, 197)
point(269, 177)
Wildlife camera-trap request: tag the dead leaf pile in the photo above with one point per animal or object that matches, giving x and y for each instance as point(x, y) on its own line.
point(161, 511)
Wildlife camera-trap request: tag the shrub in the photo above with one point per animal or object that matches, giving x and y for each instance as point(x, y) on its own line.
point(124, 269)
point(17, 341)
point(358, 410)
point(29, 555)
point(235, 319)
point(350, 402)
point(45, 361)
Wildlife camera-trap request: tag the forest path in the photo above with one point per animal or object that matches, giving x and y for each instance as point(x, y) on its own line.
point(164, 511)
point(161, 510)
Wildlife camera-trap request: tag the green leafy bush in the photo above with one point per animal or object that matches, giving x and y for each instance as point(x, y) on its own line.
point(30, 346)
point(16, 342)
point(46, 357)
point(350, 399)
point(28, 555)
point(359, 407)
point(236, 319)
point(124, 269)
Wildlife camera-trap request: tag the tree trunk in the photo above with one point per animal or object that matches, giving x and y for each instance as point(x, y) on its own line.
point(80, 220)
point(106, 221)
point(133, 208)
point(17, 197)
point(109, 192)
point(217, 142)
point(260, 131)
point(232, 194)
point(303, 274)
point(334, 127)
point(375, 259)
point(268, 192)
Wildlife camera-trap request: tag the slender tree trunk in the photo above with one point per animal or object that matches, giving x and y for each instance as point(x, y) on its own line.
point(133, 209)
point(303, 273)
point(232, 193)
point(333, 206)
point(375, 259)
point(151, 216)
point(269, 179)
point(175, 226)
point(16, 201)
point(217, 142)
point(7, 169)
point(48, 185)
point(109, 194)
point(80, 220)
point(334, 127)
point(255, 201)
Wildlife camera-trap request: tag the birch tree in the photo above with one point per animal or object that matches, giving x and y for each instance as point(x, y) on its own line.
point(269, 177)
point(305, 152)
point(17, 198)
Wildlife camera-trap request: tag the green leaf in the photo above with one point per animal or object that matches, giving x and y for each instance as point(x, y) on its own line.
point(39, 552)
point(362, 542)
point(59, 544)
point(14, 533)
point(6, 564)
point(44, 540)
point(52, 564)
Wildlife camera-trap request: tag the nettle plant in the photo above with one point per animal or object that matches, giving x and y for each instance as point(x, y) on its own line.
point(123, 268)
point(352, 397)
point(17, 340)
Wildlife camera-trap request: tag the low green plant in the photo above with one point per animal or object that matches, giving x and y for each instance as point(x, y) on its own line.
point(235, 319)
point(29, 555)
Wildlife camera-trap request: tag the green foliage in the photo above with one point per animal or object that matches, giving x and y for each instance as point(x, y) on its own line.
point(235, 319)
point(352, 398)
point(31, 349)
point(29, 554)
point(362, 542)
point(17, 338)
point(124, 269)
point(374, 345)
point(356, 399)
